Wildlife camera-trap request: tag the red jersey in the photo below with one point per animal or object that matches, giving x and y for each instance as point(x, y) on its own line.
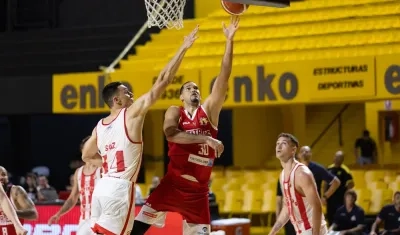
point(193, 159)
point(6, 226)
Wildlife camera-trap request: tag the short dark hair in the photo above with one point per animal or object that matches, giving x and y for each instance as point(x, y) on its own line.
point(366, 133)
point(109, 91)
point(291, 137)
point(352, 193)
point(183, 86)
point(84, 141)
point(396, 193)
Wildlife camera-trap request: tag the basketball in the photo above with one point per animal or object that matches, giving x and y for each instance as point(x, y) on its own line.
point(234, 8)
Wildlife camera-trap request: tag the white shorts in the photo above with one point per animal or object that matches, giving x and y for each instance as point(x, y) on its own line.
point(84, 228)
point(322, 231)
point(157, 218)
point(113, 206)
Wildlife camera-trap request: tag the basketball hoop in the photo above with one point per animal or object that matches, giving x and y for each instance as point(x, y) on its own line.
point(165, 13)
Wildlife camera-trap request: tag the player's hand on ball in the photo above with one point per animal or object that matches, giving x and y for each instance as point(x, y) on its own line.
point(231, 29)
point(217, 145)
point(21, 230)
point(189, 40)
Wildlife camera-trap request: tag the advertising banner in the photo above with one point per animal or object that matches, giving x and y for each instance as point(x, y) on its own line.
point(339, 79)
point(388, 74)
point(330, 80)
point(68, 224)
point(82, 93)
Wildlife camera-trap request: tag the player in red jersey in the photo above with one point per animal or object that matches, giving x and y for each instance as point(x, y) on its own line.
point(7, 209)
point(191, 132)
point(24, 207)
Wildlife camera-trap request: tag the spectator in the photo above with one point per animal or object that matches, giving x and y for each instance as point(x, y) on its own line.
point(349, 218)
point(71, 182)
point(45, 191)
point(390, 215)
point(154, 183)
point(30, 186)
point(341, 171)
point(289, 229)
point(320, 174)
point(367, 147)
point(41, 170)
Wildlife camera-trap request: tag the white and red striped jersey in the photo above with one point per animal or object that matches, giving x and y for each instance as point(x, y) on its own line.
point(121, 156)
point(300, 211)
point(86, 185)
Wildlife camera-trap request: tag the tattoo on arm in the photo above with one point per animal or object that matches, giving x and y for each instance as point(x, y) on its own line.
point(67, 206)
point(26, 208)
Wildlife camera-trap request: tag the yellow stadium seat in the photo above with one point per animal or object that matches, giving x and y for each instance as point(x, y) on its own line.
point(271, 175)
point(232, 186)
point(379, 198)
point(377, 185)
point(389, 179)
point(365, 205)
point(220, 197)
point(269, 202)
point(251, 186)
point(374, 175)
point(253, 201)
point(230, 173)
point(394, 186)
point(217, 174)
point(270, 186)
point(363, 195)
point(233, 202)
point(358, 178)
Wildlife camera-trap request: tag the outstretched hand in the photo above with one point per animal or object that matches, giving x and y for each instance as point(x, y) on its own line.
point(230, 31)
point(189, 40)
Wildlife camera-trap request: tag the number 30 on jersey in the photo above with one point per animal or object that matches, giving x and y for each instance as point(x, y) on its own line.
point(203, 149)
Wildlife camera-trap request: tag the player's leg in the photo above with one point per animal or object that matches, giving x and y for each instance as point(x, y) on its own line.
point(84, 228)
point(118, 207)
point(95, 211)
point(146, 218)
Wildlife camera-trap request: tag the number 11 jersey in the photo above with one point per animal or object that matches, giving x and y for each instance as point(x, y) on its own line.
point(193, 159)
point(121, 156)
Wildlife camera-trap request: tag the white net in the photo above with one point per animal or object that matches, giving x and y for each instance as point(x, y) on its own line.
point(165, 13)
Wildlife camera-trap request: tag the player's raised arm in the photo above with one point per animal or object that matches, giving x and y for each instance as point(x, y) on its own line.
point(26, 207)
point(10, 212)
point(90, 151)
point(143, 103)
point(309, 188)
point(213, 103)
point(69, 203)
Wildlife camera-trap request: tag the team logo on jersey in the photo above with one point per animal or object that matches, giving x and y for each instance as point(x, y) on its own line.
point(203, 121)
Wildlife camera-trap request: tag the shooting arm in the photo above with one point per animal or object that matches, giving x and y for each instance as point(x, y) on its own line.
point(26, 207)
point(213, 103)
point(282, 219)
point(143, 104)
point(8, 208)
point(334, 185)
point(172, 132)
point(90, 151)
point(308, 186)
point(72, 199)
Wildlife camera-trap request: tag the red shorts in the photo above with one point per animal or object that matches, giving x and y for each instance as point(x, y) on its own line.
point(176, 194)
